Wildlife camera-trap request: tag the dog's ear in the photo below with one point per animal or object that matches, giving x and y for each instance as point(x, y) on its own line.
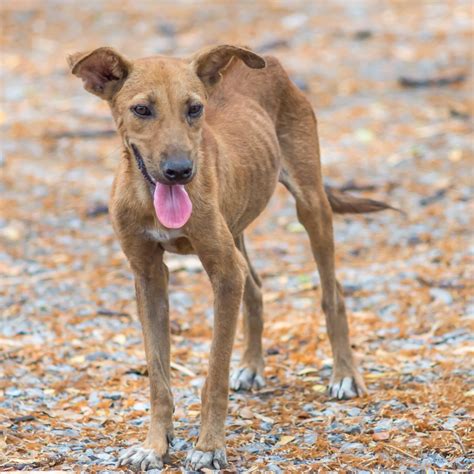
point(210, 62)
point(103, 71)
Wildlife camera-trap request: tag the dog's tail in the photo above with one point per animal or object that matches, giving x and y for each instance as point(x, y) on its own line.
point(342, 203)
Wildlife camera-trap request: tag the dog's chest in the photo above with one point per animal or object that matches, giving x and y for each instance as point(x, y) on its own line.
point(162, 235)
point(172, 240)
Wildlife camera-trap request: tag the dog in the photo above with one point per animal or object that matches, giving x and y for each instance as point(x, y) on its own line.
point(205, 141)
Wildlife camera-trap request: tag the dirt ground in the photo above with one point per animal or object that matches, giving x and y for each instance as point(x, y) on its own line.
point(392, 86)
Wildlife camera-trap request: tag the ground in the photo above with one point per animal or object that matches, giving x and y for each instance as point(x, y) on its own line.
point(392, 87)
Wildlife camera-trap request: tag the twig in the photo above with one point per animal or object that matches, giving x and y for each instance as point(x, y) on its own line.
point(182, 369)
point(21, 419)
point(316, 419)
point(264, 418)
point(82, 134)
point(110, 312)
point(10, 354)
point(432, 82)
point(98, 210)
point(353, 186)
point(270, 298)
point(30, 279)
point(10, 342)
point(440, 284)
point(459, 440)
point(401, 451)
point(436, 196)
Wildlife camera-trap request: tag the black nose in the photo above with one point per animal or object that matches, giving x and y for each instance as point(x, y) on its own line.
point(177, 171)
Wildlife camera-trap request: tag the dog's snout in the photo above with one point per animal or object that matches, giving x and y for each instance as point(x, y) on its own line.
point(177, 171)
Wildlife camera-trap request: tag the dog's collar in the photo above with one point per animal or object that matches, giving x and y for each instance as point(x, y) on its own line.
point(141, 165)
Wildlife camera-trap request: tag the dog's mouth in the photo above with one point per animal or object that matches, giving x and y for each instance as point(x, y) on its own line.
point(172, 204)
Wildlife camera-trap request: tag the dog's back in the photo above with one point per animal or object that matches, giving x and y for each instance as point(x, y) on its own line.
point(240, 86)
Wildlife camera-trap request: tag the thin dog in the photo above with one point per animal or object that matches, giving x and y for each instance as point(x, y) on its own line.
point(205, 142)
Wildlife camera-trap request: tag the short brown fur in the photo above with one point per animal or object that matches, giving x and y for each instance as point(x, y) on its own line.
point(257, 129)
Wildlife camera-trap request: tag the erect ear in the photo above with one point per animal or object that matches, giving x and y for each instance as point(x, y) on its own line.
point(103, 71)
point(209, 62)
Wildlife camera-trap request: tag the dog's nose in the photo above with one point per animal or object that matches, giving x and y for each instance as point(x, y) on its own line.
point(177, 171)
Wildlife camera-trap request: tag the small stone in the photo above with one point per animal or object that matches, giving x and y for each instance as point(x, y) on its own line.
point(141, 406)
point(381, 436)
point(271, 44)
point(350, 447)
point(309, 439)
point(434, 459)
point(441, 296)
point(11, 233)
point(294, 21)
point(362, 35)
point(273, 468)
point(180, 444)
point(301, 83)
point(139, 421)
point(383, 425)
point(353, 429)
point(166, 28)
point(13, 392)
point(451, 423)
point(83, 459)
point(264, 426)
point(97, 209)
point(246, 413)
point(104, 456)
point(98, 355)
point(113, 396)
point(309, 408)
point(295, 227)
point(254, 448)
point(354, 411)
point(94, 399)
point(273, 351)
point(336, 438)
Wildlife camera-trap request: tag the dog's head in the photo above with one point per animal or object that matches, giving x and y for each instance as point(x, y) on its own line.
point(159, 103)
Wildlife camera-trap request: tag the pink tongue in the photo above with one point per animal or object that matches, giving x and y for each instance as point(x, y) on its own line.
point(172, 205)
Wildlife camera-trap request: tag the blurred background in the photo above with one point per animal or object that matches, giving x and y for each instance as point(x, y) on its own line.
point(392, 86)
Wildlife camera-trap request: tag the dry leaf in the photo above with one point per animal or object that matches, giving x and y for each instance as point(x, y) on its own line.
point(319, 388)
point(285, 440)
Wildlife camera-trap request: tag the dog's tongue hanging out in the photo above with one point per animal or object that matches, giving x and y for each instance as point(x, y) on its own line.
point(172, 205)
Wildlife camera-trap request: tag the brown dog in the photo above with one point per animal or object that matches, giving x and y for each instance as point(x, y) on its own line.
point(205, 141)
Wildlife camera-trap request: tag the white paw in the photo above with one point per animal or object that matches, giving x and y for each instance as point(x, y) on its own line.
point(197, 460)
point(345, 388)
point(140, 459)
point(245, 378)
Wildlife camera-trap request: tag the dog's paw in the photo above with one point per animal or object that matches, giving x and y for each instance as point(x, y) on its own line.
point(141, 459)
point(197, 460)
point(245, 378)
point(347, 387)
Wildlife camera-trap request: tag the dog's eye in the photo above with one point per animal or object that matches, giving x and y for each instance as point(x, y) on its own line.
point(195, 110)
point(141, 110)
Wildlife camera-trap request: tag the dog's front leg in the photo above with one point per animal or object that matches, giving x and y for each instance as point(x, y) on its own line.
point(151, 286)
point(227, 271)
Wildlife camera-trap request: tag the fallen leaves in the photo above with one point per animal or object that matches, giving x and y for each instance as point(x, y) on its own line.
point(285, 440)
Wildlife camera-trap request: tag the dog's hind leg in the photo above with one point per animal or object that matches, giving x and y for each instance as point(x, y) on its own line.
point(301, 174)
point(250, 371)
